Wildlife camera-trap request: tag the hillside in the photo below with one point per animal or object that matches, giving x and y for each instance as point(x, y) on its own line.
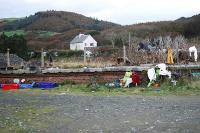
point(187, 27)
point(55, 29)
point(143, 30)
point(56, 21)
point(191, 25)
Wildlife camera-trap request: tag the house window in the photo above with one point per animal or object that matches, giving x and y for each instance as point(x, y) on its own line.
point(91, 44)
point(85, 44)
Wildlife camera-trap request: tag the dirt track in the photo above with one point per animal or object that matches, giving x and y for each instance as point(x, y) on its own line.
point(68, 113)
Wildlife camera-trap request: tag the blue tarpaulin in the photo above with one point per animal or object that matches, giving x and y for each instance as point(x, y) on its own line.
point(26, 86)
point(46, 85)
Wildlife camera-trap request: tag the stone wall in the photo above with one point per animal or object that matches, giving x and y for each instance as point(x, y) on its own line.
point(61, 77)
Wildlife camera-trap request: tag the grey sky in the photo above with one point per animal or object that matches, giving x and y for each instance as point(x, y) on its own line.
point(118, 11)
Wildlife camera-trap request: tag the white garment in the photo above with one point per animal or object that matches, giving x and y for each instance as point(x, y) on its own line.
point(128, 81)
point(162, 66)
point(16, 81)
point(151, 74)
point(193, 49)
point(163, 70)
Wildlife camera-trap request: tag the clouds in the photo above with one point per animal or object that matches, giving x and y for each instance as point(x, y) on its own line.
point(119, 11)
point(129, 12)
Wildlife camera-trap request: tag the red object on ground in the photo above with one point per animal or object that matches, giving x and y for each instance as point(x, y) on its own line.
point(135, 78)
point(10, 86)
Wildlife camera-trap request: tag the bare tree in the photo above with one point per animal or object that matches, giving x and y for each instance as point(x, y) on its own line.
point(113, 39)
point(124, 37)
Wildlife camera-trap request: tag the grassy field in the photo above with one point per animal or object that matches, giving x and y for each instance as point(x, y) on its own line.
point(101, 90)
point(40, 34)
point(9, 19)
point(45, 34)
point(11, 33)
point(79, 62)
point(183, 88)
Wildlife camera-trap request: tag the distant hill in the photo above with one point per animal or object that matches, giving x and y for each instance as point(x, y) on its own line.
point(185, 20)
point(180, 25)
point(188, 27)
point(56, 21)
point(191, 25)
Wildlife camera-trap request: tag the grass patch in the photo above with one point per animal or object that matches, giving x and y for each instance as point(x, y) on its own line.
point(25, 119)
point(9, 20)
point(39, 34)
point(11, 33)
point(29, 118)
point(45, 34)
point(184, 87)
point(78, 62)
point(82, 90)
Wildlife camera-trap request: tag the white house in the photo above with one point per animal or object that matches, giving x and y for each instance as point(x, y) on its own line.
point(81, 41)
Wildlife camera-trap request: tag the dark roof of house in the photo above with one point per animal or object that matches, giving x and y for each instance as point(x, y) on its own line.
point(79, 38)
point(15, 60)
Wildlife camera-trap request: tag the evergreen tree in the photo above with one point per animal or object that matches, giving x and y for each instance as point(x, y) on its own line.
point(16, 44)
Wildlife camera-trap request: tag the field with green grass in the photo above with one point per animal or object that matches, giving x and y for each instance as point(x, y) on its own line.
point(40, 34)
point(9, 19)
point(182, 88)
point(11, 33)
point(45, 34)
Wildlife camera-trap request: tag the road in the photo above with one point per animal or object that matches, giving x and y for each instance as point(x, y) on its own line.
point(63, 113)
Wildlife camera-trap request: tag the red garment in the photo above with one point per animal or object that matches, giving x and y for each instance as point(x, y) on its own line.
point(135, 78)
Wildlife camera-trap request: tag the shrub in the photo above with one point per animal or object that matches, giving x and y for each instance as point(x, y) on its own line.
point(93, 85)
point(68, 82)
point(70, 53)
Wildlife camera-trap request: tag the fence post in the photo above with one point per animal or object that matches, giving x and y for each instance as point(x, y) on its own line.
point(42, 58)
point(84, 55)
point(8, 57)
point(177, 52)
point(124, 57)
point(129, 39)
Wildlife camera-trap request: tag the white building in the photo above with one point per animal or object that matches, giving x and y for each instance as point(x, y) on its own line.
point(81, 41)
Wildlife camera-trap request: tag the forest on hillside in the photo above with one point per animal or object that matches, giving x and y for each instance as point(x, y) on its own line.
point(17, 44)
point(57, 21)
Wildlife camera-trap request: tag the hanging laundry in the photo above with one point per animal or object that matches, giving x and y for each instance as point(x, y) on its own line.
point(193, 50)
point(170, 56)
